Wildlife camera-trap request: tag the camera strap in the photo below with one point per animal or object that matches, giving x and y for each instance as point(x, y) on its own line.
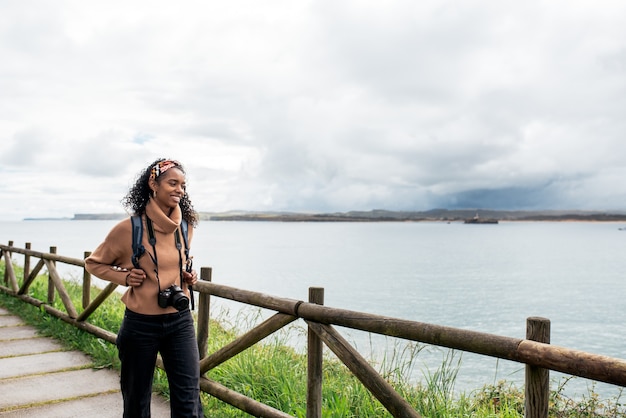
point(187, 264)
point(152, 241)
point(184, 226)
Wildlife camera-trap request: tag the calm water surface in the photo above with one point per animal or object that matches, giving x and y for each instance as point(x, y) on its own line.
point(486, 278)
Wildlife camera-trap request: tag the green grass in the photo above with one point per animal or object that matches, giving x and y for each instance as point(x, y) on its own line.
point(274, 373)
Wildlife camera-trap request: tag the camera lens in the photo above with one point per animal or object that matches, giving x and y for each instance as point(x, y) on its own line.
point(180, 301)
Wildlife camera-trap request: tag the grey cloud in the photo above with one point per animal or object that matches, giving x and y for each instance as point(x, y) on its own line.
point(615, 62)
point(111, 154)
point(27, 147)
point(504, 198)
point(404, 51)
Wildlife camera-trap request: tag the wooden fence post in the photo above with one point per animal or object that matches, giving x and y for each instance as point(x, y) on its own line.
point(6, 268)
point(86, 283)
point(26, 262)
point(53, 250)
point(204, 307)
point(315, 360)
point(537, 378)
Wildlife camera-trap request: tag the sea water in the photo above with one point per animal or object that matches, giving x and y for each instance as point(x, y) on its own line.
point(487, 278)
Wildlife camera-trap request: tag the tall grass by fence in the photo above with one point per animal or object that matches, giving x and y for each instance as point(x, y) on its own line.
point(535, 351)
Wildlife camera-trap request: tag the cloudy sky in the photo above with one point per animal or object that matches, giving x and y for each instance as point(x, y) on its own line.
point(314, 105)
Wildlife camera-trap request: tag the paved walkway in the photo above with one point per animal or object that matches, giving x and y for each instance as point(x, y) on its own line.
point(38, 378)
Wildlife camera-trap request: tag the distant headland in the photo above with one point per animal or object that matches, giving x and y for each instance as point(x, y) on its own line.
point(381, 215)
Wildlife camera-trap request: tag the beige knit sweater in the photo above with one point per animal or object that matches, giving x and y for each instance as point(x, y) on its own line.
point(116, 250)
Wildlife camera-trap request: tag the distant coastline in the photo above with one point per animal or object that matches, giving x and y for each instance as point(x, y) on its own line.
point(435, 215)
point(380, 215)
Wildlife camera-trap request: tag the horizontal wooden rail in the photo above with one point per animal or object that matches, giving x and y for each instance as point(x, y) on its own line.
point(85, 326)
point(574, 362)
point(248, 297)
point(240, 401)
point(44, 256)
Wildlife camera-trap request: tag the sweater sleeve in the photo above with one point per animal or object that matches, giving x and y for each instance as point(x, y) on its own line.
point(111, 260)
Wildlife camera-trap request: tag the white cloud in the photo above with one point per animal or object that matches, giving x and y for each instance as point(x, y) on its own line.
point(314, 105)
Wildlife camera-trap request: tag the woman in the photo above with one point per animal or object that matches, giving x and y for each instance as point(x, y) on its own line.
point(151, 324)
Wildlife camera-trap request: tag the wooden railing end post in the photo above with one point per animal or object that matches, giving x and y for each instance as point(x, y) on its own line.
point(204, 308)
point(53, 250)
point(537, 387)
point(86, 283)
point(26, 262)
point(315, 360)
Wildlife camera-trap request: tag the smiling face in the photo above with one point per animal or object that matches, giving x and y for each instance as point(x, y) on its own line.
point(168, 189)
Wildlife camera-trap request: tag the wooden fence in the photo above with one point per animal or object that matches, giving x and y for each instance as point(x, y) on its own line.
point(535, 351)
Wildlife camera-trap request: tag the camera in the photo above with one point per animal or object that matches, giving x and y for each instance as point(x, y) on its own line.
point(173, 296)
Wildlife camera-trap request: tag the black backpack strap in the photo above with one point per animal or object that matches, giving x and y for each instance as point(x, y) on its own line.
point(184, 227)
point(151, 237)
point(137, 231)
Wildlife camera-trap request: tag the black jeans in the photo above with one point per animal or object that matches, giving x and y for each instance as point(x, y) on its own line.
point(138, 341)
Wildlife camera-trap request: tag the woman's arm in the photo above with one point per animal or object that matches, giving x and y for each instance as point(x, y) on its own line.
point(111, 260)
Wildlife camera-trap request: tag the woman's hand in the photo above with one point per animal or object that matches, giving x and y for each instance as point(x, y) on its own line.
point(135, 278)
point(190, 277)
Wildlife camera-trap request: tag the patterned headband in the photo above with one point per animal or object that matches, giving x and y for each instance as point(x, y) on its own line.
point(161, 167)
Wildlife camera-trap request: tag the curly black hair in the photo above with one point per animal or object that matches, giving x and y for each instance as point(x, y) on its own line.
point(139, 195)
